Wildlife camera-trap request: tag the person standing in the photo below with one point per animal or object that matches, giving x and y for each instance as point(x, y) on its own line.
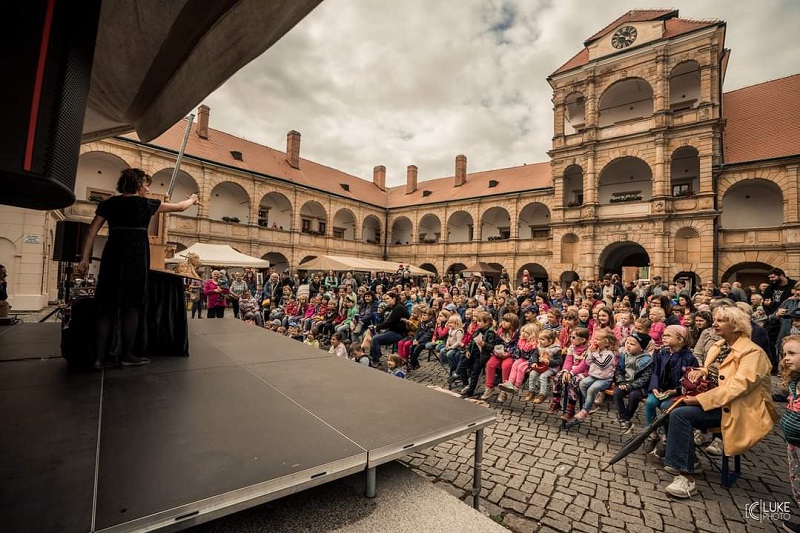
point(4, 307)
point(237, 290)
point(215, 296)
point(122, 282)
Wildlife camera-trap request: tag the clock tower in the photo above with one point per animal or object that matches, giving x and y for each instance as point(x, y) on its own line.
point(637, 132)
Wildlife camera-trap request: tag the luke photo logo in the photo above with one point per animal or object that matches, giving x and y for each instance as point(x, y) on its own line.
point(760, 510)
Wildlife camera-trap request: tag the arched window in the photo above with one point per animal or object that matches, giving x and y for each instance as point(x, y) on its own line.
point(402, 231)
point(628, 99)
point(460, 227)
point(313, 218)
point(229, 203)
point(275, 211)
point(569, 249)
point(344, 225)
point(574, 113)
point(495, 224)
point(756, 203)
point(627, 179)
point(371, 230)
point(429, 229)
point(534, 221)
point(684, 172)
point(684, 86)
point(573, 186)
point(687, 247)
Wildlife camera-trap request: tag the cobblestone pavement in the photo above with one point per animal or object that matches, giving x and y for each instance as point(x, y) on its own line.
point(536, 478)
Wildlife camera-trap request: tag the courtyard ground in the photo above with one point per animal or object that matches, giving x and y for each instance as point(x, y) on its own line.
point(537, 478)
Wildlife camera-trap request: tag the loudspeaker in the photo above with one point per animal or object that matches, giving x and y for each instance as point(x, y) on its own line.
point(70, 236)
point(48, 52)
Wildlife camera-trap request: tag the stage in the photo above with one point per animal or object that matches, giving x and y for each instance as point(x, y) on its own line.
point(248, 417)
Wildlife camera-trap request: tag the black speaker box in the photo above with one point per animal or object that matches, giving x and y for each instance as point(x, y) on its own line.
point(48, 49)
point(70, 236)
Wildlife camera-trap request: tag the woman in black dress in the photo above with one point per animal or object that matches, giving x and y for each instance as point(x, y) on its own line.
point(122, 281)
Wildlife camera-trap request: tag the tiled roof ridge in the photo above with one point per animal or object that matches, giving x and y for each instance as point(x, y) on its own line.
point(472, 174)
point(627, 15)
point(761, 83)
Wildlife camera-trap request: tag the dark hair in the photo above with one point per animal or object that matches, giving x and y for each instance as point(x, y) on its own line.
point(131, 179)
point(777, 272)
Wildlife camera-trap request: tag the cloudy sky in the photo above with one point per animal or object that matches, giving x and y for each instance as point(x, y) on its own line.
point(371, 82)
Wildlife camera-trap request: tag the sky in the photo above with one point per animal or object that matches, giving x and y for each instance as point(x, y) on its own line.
point(396, 83)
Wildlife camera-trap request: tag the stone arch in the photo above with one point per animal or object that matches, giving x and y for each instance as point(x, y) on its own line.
point(756, 203)
point(97, 174)
point(573, 186)
point(371, 229)
point(625, 177)
point(402, 231)
point(620, 254)
point(275, 211)
point(567, 277)
point(684, 86)
point(307, 258)
point(534, 221)
point(495, 224)
point(229, 199)
point(537, 274)
point(455, 268)
point(692, 280)
point(779, 178)
point(627, 99)
point(747, 272)
point(429, 228)
point(344, 224)
point(277, 260)
point(313, 218)
point(460, 227)
point(430, 267)
point(687, 249)
point(684, 171)
point(574, 113)
point(185, 186)
point(570, 247)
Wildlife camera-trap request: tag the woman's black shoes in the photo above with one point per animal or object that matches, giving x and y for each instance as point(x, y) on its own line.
point(134, 361)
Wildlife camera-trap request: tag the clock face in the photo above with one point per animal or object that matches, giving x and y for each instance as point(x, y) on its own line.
point(623, 37)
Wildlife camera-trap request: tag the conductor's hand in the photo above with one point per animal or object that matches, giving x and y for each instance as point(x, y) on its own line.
point(194, 199)
point(83, 267)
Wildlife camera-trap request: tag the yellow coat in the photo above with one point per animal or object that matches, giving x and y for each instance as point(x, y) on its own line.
point(744, 394)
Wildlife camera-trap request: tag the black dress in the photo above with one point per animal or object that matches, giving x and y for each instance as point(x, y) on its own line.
point(122, 281)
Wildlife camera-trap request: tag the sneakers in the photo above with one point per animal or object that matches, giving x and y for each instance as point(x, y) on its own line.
point(529, 396)
point(503, 396)
point(661, 450)
point(466, 391)
point(674, 471)
point(626, 426)
point(488, 393)
point(715, 448)
point(681, 487)
point(581, 415)
point(508, 387)
point(651, 442)
point(701, 438)
point(539, 398)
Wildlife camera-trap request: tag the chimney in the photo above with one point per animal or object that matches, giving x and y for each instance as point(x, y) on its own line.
point(379, 177)
point(411, 179)
point(461, 170)
point(202, 121)
point(293, 148)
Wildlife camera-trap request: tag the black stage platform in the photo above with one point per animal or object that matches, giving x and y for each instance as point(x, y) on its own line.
point(249, 417)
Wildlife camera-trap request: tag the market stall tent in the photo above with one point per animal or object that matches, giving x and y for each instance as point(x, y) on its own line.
point(218, 255)
point(339, 263)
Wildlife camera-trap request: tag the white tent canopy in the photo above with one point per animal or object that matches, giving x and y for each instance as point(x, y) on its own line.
point(340, 263)
point(219, 255)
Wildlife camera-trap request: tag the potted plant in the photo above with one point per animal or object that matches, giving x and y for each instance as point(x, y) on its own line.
point(96, 198)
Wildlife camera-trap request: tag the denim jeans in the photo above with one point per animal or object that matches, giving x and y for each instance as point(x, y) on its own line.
point(680, 434)
point(590, 387)
point(635, 397)
point(652, 403)
point(385, 338)
point(540, 381)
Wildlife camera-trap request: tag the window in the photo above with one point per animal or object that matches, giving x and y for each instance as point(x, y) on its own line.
point(540, 232)
point(470, 233)
point(263, 217)
point(322, 228)
point(98, 195)
point(306, 228)
point(682, 189)
point(505, 233)
point(338, 233)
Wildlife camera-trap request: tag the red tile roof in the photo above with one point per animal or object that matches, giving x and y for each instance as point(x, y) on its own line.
point(762, 121)
point(509, 180)
point(268, 161)
point(672, 28)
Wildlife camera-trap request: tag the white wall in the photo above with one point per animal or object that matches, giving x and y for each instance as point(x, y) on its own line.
point(344, 219)
point(458, 227)
point(429, 226)
point(532, 215)
point(229, 200)
point(371, 230)
point(493, 219)
point(756, 204)
point(99, 171)
point(401, 232)
point(28, 263)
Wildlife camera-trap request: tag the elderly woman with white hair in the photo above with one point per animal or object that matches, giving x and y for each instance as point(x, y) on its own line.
point(215, 295)
point(738, 401)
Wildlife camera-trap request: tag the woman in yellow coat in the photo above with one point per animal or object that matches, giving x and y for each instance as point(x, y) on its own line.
point(740, 402)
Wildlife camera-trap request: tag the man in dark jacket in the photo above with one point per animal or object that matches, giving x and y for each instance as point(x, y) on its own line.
point(779, 290)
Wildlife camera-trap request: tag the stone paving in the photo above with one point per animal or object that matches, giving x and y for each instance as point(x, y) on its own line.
point(538, 479)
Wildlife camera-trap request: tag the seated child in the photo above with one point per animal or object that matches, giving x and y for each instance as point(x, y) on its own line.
point(528, 357)
point(358, 355)
point(337, 346)
point(574, 365)
point(394, 366)
point(632, 377)
point(658, 318)
point(412, 323)
point(311, 340)
point(602, 360)
point(549, 363)
point(422, 336)
point(623, 326)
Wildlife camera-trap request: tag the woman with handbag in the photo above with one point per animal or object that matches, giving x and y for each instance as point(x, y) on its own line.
point(738, 399)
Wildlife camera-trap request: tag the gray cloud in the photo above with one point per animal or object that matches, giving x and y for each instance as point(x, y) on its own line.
point(371, 82)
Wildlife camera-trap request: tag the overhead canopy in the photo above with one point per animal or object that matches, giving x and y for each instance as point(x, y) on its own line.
point(155, 61)
point(482, 268)
point(339, 263)
point(219, 255)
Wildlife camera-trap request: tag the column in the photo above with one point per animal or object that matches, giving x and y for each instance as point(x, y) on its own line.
point(589, 178)
point(660, 181)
